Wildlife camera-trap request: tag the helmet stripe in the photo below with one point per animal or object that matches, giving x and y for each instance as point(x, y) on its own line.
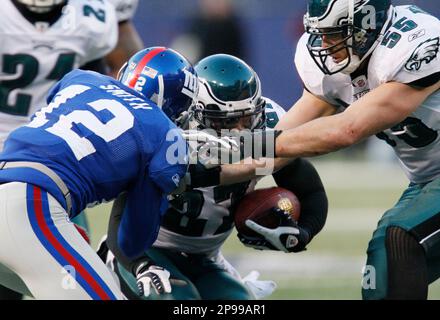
point(141, 65)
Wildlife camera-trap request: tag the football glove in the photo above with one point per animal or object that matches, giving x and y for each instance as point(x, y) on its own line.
point(212, 151)
point(208, 149)
point(260, 288)
point(149, 275)
point(287, 237)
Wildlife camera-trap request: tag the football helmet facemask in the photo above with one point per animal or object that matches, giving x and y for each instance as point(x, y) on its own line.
point(343, 33)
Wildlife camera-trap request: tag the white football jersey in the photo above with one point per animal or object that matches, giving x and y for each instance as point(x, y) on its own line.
point(409, 51)
point(34, 57)
point(200, 220)
point(125, 9)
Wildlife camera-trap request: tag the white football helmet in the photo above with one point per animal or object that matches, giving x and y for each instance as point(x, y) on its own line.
point(353, 26)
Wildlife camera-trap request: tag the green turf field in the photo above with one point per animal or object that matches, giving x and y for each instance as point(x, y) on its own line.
point(331, 267)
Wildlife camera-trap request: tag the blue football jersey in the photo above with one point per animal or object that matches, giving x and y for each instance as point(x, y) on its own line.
point(101, 138)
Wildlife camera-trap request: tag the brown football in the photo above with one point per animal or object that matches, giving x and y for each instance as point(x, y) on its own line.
point(257, 206)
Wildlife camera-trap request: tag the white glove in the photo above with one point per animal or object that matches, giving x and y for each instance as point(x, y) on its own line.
point(273, 236)
point(287, 237)
point(260, 288)
point(149, 276)
point(208, 149)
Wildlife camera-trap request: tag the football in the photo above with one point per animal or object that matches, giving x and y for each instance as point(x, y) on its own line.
point(257, 206)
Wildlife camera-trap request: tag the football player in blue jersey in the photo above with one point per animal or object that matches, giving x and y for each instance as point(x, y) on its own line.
point(185, 261)
point(97, 138)
point(41, 42)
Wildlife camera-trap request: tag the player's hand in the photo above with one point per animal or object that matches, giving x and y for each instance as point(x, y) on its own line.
point(183, 120)
point(287, 237)
point(260, 288)
point(208, 149)
point(151, 276)
point(211, 150)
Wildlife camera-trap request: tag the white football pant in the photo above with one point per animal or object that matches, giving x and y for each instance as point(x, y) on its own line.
point(40, 245)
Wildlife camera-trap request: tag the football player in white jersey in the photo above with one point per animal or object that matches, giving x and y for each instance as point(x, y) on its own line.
point(41, 42)
point(197, 223)
point(382, 64)
point(129, 41)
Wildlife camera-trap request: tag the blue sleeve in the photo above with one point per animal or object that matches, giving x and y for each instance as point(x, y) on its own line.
point(141, 219)
point(170, 161)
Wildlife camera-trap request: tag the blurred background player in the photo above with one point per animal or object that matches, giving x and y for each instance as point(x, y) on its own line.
point(41, 45)
point(70, 156)
point(213, 28)
point(198, 222)
point(41, 42)
point(129, 41)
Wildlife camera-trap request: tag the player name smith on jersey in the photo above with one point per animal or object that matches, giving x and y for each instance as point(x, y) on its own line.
point(408, 53)
point(34, 57)
point(199, 221)
point(92, 134)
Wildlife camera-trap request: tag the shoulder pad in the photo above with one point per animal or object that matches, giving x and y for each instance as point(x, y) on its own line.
point(95, 20)
point(409, 50)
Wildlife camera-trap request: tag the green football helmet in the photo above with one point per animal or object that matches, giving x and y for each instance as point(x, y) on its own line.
point(229, 94)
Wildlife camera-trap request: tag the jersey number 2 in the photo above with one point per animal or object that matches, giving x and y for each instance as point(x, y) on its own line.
point(82, 147)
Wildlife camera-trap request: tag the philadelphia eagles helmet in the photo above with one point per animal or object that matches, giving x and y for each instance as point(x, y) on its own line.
point(351, 28)
point(229, 94)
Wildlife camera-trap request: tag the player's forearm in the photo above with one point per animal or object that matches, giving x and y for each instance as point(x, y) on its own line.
point(113, 231)
point(236, 173)
point(315, 138)
point(306, 109)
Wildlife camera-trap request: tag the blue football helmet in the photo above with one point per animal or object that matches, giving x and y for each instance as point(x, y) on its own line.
point(163, 76)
